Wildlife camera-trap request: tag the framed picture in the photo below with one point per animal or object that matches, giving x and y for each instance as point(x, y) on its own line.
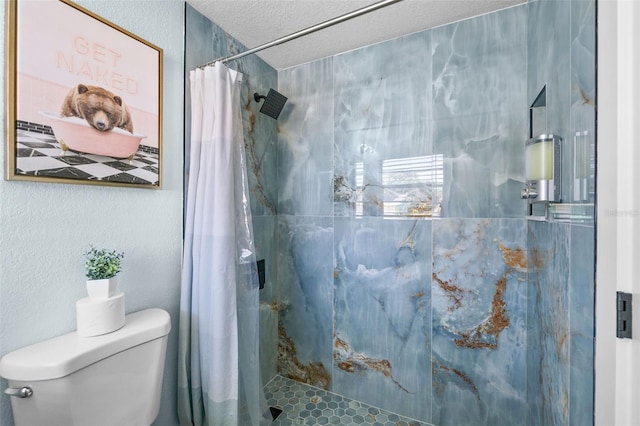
point(84, 98)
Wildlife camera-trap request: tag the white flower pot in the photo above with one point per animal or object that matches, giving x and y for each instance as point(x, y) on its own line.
point(102, 289)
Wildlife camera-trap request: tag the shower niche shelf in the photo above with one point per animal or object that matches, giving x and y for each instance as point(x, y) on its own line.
point(559, 173)
point(569, 212)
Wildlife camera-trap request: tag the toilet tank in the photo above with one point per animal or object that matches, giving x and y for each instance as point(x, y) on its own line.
point(112, 379)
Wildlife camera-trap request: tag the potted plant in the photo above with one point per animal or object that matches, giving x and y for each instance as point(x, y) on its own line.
point(101, 267)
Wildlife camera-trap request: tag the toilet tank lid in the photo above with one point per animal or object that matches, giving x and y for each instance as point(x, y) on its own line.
point(66, 354)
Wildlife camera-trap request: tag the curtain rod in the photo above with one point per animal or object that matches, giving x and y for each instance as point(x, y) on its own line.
point(312, 29)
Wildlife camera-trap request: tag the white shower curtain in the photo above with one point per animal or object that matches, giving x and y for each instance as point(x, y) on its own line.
point(219, 381)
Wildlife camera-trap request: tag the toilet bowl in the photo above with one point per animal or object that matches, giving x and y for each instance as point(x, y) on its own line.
point(107, 380)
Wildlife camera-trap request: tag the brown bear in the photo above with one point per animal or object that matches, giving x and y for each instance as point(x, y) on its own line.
point(102, 109)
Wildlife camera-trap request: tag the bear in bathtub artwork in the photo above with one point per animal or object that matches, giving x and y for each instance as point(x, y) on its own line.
point(102, 109)
point(93, 120)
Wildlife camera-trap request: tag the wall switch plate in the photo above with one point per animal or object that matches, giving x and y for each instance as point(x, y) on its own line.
point(624, 315)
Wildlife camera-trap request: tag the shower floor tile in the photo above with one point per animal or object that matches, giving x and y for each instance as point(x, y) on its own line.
point(302, 404)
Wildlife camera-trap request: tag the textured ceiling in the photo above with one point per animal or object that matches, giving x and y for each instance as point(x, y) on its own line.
point(255, 22)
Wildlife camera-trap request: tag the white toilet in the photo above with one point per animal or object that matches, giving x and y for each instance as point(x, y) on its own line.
point(113, 379)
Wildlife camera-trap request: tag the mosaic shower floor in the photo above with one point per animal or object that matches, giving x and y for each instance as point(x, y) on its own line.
point(302, 404)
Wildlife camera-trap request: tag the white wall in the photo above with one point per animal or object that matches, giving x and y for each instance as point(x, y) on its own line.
point(45, 227)
point(618, 232)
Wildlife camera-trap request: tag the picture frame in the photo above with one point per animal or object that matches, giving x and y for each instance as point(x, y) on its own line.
point(83, 99)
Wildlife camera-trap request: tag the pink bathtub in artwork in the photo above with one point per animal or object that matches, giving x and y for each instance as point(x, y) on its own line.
point(76, 134)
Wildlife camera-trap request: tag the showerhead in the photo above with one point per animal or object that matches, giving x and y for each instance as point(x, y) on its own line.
point(273, 103)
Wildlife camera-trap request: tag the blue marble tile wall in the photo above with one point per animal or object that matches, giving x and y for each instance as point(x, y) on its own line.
point(428, 316)
point(560, 359)
point(412, 315)
point(476, 308)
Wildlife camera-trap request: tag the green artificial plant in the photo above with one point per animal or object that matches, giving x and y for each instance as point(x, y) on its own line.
point(102, 263)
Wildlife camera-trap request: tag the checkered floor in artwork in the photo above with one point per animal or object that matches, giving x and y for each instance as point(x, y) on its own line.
point(40, 154)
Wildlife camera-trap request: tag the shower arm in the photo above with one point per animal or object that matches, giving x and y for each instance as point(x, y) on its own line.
point(312, 29)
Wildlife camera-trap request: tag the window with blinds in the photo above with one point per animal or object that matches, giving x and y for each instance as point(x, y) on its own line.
point(401, 187)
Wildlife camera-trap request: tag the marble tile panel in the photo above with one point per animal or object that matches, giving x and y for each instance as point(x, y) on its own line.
point(305, 299)
point(305, 140)
point(479, 65)
point(206, 42)
point(260, 134)
point(384, 84)
point(382, 112)
point(583, 52)
point(483, 164)
point(198, 36)
point(549, 61)
point(381, 341)
point(549, 332)
point(581, 163)
point(479, 307)
point(582, 324)
point(260, 137)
